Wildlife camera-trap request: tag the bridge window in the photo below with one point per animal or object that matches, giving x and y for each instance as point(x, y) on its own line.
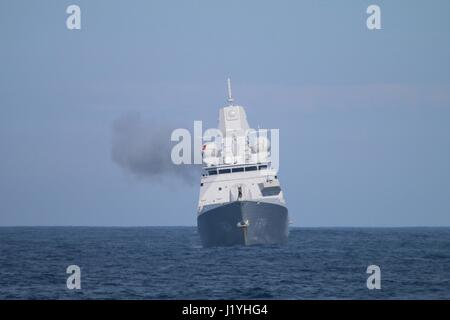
point(238, 169)
point(251, 168)
point(224, 171)
point(263, 167)
point(212, 172)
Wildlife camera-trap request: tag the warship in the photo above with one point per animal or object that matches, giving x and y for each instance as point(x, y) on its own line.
point(240, 200)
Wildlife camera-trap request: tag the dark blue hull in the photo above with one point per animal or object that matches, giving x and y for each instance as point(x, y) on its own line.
point(244, 223)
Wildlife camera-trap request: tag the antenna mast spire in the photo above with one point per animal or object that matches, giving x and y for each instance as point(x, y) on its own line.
point(230, 97)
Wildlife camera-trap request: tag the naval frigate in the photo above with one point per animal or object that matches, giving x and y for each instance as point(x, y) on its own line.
point(240, 201)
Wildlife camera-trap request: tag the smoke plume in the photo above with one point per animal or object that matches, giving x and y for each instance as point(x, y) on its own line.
point(143, 149)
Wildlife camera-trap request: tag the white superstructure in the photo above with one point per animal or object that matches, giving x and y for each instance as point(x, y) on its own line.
point(237, 164)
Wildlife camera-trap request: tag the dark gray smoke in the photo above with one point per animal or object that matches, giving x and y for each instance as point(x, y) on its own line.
point(143, 148)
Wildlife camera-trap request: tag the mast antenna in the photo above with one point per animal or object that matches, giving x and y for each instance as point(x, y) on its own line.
point(230, 97)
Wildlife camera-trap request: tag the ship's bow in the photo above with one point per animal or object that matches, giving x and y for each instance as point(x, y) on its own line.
point(243, 223)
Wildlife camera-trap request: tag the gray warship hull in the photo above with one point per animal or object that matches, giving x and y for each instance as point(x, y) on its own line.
point(243, 223)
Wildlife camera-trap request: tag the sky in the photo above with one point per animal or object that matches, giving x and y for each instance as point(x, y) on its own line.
point(364, 115)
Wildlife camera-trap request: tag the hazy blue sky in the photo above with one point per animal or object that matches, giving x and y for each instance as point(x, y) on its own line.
point(364, 116)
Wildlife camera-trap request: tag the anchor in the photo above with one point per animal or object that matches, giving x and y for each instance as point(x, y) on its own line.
point(243, 224)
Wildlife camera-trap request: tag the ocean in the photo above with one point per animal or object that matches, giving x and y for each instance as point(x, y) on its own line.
point(169, 263)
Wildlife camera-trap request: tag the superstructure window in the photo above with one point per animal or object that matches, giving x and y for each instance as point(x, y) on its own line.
point(224, 171)
point(238, 169)
point(251, 168)
point(263, 167)
point(212, 172)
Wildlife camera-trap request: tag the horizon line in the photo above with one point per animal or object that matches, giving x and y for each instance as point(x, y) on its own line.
point(194, 226)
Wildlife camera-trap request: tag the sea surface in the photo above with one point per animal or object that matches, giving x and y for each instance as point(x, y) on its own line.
point(169, 263)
